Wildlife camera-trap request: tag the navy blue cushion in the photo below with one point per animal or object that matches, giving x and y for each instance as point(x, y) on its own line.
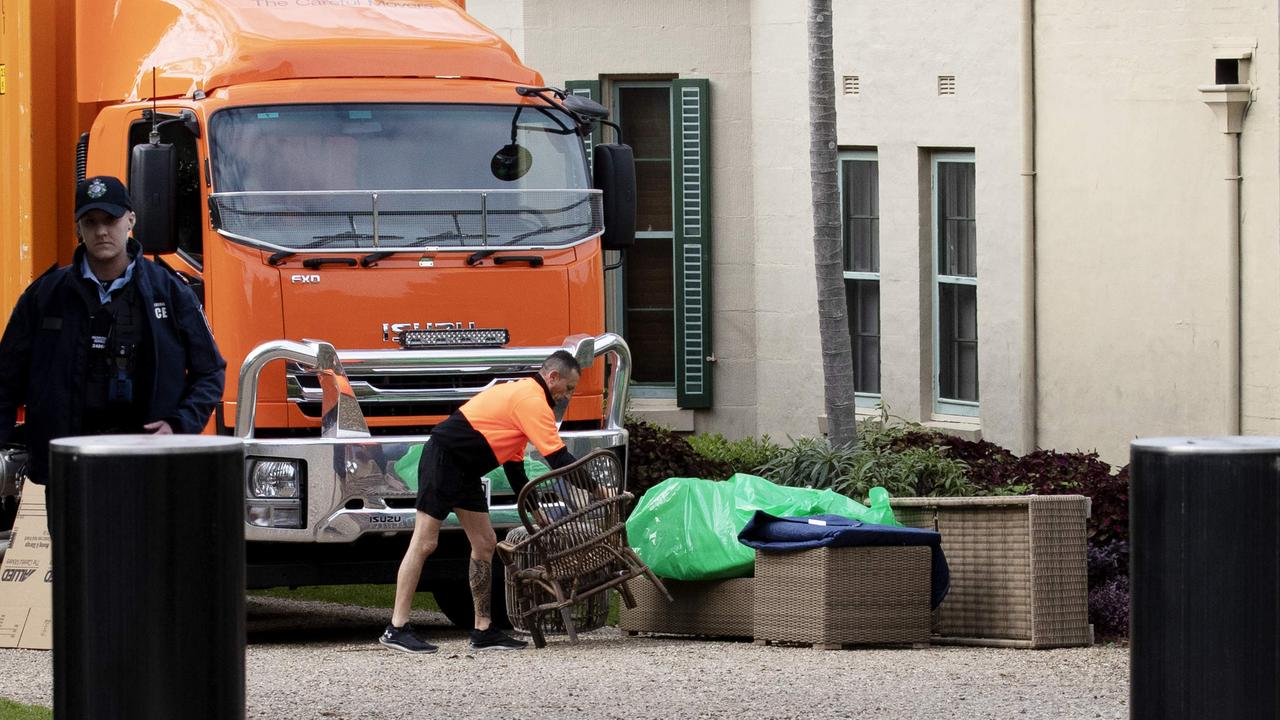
point(769, 532)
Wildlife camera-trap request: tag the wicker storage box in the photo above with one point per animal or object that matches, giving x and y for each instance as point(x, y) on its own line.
point(831, 597)
point(720, 608)
point(1018, 570)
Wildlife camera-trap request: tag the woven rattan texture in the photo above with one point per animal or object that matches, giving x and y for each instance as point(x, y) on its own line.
point(721, 608)
point(847, 596)
point(1060, 580)
point(1018, 568)
point(574, 546)
point(589, 614)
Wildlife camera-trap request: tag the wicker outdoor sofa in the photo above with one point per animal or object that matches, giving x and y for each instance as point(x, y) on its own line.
point(1018, 579)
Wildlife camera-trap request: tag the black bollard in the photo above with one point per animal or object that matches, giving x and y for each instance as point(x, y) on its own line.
point(1204, 529)
point(148, 579)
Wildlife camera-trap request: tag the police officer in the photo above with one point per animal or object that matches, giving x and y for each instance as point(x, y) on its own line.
point(112, 343)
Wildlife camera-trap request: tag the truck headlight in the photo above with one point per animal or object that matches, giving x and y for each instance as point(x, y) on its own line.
point(275, 479)
point(275, 493)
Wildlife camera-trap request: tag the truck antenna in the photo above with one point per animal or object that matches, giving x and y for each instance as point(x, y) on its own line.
point(155, 113)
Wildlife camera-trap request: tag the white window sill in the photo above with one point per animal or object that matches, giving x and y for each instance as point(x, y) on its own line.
point(958, 426)
point(662, 411)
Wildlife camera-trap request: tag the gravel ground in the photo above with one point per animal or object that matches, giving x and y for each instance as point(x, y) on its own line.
point(317, 660)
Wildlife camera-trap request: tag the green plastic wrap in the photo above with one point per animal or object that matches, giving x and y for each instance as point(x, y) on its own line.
point(687, 528)
point(498, 477)
point(406, 469)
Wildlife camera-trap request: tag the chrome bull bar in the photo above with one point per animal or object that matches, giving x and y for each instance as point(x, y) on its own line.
point(340, 410)
point(340, 505)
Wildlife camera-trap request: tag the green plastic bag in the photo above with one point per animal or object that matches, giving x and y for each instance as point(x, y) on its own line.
point(407, 467)
point(687, 528)
point(498, 477)
point(407, 470)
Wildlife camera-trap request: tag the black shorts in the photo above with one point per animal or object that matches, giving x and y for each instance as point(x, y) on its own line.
point(443, 485)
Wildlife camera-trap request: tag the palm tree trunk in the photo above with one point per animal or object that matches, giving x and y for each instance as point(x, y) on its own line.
point(833, 319)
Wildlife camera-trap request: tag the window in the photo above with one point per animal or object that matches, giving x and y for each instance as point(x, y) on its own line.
point(955, 244)
point(660, 297)
point(342, 153)
point(860, 215)
point(649, 300)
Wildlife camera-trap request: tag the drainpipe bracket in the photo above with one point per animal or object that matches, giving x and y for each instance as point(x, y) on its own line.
point(1229, 103)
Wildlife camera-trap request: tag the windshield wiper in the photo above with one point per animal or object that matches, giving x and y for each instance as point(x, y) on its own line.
point(453, 236)
point(553, 228)
point(479, 255)
point(356, 236)
point(277, 258)
point(373, 258)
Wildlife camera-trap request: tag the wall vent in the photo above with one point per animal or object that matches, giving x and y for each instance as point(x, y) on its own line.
point(852, 85)
point(946, 84)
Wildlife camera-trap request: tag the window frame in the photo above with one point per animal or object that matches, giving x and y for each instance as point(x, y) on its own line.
point(618, 312)
point(861, 399)
point(941, 405)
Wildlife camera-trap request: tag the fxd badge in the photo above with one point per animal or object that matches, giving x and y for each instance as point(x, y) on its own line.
point(97, 189)
point(161, 310)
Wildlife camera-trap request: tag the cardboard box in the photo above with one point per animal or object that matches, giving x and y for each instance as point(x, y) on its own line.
point(26, 577)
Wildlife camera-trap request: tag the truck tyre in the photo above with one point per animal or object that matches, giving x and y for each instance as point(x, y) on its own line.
point(455, 601)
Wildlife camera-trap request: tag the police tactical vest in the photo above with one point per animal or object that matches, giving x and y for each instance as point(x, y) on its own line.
point(117, 340)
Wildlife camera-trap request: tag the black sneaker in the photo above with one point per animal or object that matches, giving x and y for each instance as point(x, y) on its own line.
point(495, 639)
point(405, 639)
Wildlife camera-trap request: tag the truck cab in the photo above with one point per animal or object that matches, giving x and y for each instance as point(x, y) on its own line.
point(383, 212)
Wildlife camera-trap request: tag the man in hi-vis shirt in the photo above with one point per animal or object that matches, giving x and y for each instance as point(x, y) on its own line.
point(491, 429)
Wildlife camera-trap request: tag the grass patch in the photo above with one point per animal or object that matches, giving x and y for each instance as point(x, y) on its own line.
point(371, 596)
point(10, 710)
point(615, 602)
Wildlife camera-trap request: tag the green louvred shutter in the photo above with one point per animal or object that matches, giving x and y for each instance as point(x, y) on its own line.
point(588, 89)
point(691, 194)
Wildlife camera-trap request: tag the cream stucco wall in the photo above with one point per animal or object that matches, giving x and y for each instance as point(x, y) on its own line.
point(1133, 252)
point(788, 353)
point(898, 57)
point(505, 17)
point(674, 38)
point(1131, 256)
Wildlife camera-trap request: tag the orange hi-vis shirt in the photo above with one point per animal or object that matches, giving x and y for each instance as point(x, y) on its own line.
point(513, 414)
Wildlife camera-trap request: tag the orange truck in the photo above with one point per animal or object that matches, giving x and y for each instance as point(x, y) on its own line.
point(382, 210)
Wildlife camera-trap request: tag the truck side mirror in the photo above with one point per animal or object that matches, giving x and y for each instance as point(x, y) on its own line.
point(615, 174)
point(153, 189)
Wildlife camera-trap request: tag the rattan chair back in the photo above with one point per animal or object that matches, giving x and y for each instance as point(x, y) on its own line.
point(575, 519)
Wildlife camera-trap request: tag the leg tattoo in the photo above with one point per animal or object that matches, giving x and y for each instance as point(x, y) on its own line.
point(481, 577)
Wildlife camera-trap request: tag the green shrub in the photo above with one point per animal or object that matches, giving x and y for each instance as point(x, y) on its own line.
point(655, 453)
point(813, 462)
point(747, 455)
point(916, 472)
point(810, 462)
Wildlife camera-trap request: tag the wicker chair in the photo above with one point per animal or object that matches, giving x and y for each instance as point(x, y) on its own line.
point(575, 518)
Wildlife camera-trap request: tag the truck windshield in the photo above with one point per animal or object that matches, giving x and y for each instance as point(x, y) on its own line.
point(336, 177)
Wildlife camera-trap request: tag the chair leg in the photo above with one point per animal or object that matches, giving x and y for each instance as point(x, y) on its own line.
point(658, 584)
point(534, 625)
point(566, 614)
point(627, 598)
point(639, 564)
